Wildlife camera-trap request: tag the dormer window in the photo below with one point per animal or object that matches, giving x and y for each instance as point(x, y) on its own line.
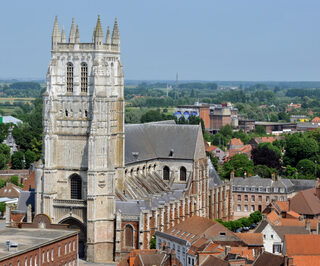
point(69, 77)
point(171, 153)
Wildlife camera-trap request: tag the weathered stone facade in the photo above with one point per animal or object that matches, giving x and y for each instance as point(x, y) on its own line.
point(83, 137)
point(117, 190)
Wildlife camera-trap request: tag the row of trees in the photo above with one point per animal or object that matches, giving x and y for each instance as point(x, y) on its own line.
point(254, 218)
point(295, 156)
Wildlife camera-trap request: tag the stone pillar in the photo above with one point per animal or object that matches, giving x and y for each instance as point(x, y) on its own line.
point(118, 235)
point(8, 215)
point(141, 227)
point(29, 214)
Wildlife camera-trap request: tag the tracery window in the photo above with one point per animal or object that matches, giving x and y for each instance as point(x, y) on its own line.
point(84, 77)
point(69, 77)
point(76, 187)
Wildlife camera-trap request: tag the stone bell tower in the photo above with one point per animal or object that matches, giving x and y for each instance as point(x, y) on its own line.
point(83, 137)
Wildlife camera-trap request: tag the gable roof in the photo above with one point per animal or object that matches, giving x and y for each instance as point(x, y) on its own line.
point(211, 148)
point(235, 142)
point(10, 191)
point(288, 230)
point(316, 119)
point(269, 259)
point(306, 202)
point(212, 260)
point(157, 140)
point(302, 244)
point(251, 239)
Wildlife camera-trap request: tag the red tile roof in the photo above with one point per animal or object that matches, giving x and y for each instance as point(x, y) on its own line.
point(316, 119)
point(306, 202)
point(211, 148)
point(306, 260)
point(251, 239)
point(10, 191)
point(293, 214)
point(302, 245)
point(235, 142)
point(283, 205)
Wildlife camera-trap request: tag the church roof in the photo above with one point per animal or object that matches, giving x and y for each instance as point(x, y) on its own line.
point(160, 140)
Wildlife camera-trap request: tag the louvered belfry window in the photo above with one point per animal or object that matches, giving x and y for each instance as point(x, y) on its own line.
point(76, 187)
point(69, 77)
point(84, 77)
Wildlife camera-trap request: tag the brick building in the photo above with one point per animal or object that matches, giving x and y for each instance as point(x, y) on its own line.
point(255, 193)
point(198, 110)
point(39, 243)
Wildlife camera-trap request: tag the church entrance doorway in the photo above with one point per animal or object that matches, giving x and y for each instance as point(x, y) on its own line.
point(82, 233)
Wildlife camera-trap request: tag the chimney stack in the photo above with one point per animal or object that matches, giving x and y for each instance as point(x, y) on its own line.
point(273, 176)
point(308, 225)
point(232, 175)
point(245, 174)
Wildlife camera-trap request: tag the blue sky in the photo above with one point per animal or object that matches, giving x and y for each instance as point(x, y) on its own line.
point(202, 40)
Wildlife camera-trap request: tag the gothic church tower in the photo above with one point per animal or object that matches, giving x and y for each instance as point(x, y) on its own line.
point(83, 138)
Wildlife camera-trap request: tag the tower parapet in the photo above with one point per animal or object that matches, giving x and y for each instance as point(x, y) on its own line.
point(111, 44)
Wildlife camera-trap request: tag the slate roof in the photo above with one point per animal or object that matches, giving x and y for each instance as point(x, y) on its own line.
point(26, 198)
point(156, 140)
point(289, 185)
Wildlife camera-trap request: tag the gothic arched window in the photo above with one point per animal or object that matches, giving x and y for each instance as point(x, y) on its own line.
point(84, 77)
point(76, 187)
point(166, 173)
point(128, 233)
point(69, 77)
point(183, 174)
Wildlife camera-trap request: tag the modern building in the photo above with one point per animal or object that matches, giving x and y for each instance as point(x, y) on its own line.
point(247, 125)
point(116, 183)
point(277, 128)
point(221, 115)
point(198, 109)
point(39, 243)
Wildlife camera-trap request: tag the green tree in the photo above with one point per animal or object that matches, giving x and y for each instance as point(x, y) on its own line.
point(2, 183)
point(263, 171)
point(291, 172)
point(30, 158)
point(260, 130)
point(2, 207)
point(153, 242)
point(240, 163)
point(4, 156)
point(14, 180)
point(226, 131)
point(307, 168)
point(17, 160)
point(256, 216)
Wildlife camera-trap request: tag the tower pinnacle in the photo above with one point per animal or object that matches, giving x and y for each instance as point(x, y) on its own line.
point(77, 40)
point(72, 35)
point(63, 36)
point(115, 34)
point(108, 37)
point(56, 37)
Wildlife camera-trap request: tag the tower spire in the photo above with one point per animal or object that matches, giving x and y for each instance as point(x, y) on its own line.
point(115, 34)
point(77, 40)
point(98, 33)
point(108, 37)
point(63, 36)
point(56, 37)
point(72, 35)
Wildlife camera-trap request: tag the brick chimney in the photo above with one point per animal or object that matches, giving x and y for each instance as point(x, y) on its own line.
point(308, 225)
point(232, 175)
point(273, 176)
point(245, 174)
point(318, 188)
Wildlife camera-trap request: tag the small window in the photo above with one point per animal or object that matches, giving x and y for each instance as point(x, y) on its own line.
point(35, 260)
point(239, 208)
point(239, 197)
point(43, 257)
point(59, 251)
point(253, 198)
point(245, 197)
point(74, 245)
point(267, 198)
point(245, 208)
point(69, 247)
point(166, 173)
point(26, 262)
point(65, 249)
point(183, 174)
point(51, 254)
point(128, 235)
point(222, 233)
point(260, 198)
point(48, 256)
point(252, 208)
point(271, 236)
point(31, 260)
